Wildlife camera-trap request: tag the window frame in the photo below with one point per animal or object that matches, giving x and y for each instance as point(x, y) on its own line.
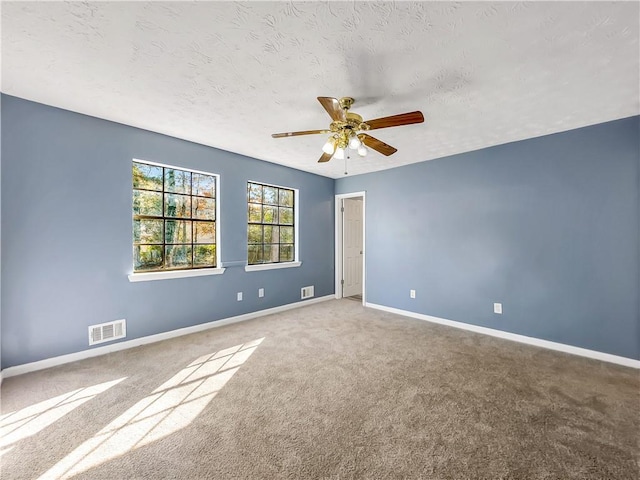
point(180, 272)
point(296, 231)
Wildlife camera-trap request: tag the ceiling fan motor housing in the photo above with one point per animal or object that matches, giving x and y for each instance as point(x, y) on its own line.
point(344, 130)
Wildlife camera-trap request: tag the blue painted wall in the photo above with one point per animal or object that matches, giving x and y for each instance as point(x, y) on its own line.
point(67, 233)
point(546, 226)
point(0, 237)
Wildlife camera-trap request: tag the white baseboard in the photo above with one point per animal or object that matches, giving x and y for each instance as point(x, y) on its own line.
point(136, 342)
point(561, 347)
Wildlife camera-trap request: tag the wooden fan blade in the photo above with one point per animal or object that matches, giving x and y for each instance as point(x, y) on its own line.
point(332, 106)
point(395, 120)
point(325, 158)
point(295, 134)
point(377, 145)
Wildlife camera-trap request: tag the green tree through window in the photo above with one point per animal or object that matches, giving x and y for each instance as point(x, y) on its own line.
point(174, 218)
point(270, 230)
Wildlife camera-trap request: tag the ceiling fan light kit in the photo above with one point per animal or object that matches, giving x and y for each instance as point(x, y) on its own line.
point(330, 146)
point(347, 129)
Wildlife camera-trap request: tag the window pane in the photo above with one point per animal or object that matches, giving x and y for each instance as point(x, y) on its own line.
point(204, 208)
point(177, 181)
point(270, 195)
point(271, 217)
point(177, 231)
point(271, 253)
point(204, 185)
point(147, 257)
point(177, 205)
point(271, 234)
point(286, 234)
point(255, 193)
point(165, 202)
point(204, 232)
point(147, 203)
point(204, 256)
point(286, 198)
point(286, 253)
point(270, 214)
point(147, 231)
point(255, 254)
point(255, 213)
point(286, 216)
point(177, 256)
point(148, 177)
point(255, 233)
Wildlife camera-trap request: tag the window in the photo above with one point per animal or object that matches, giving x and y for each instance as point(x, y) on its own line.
point(174, 218)
point(271, 231)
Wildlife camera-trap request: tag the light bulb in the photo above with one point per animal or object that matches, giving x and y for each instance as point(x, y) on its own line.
point(329, 147)
point(339, 153)
point(354, 143)
point(362, 150)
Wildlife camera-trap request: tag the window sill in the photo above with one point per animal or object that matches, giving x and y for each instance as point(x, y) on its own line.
point(149, 276)
point(271, 266)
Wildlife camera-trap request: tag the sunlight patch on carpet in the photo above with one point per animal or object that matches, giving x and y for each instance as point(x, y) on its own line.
point(28, 421)
point(169, 408)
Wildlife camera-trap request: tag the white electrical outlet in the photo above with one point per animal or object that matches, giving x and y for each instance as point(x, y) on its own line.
point(412, 293)
point(497, 308)
point(239, 296)
point(261, 292)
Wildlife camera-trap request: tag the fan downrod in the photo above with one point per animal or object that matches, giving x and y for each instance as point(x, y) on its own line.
point(346, 102)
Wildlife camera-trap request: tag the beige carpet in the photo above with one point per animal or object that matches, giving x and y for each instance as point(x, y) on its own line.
point(332, 391)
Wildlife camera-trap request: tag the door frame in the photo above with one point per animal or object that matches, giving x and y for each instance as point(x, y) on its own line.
point(339, 241)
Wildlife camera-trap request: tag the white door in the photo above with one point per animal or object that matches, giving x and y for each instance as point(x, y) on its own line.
point(352, 247)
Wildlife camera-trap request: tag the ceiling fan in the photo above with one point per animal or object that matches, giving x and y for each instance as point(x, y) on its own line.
point(347, 129)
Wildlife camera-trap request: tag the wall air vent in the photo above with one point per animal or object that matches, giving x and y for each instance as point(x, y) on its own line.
point(105, 332)
point(306, 292)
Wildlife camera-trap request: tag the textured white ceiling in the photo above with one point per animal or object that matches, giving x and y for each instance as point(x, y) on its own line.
point(229, 74)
